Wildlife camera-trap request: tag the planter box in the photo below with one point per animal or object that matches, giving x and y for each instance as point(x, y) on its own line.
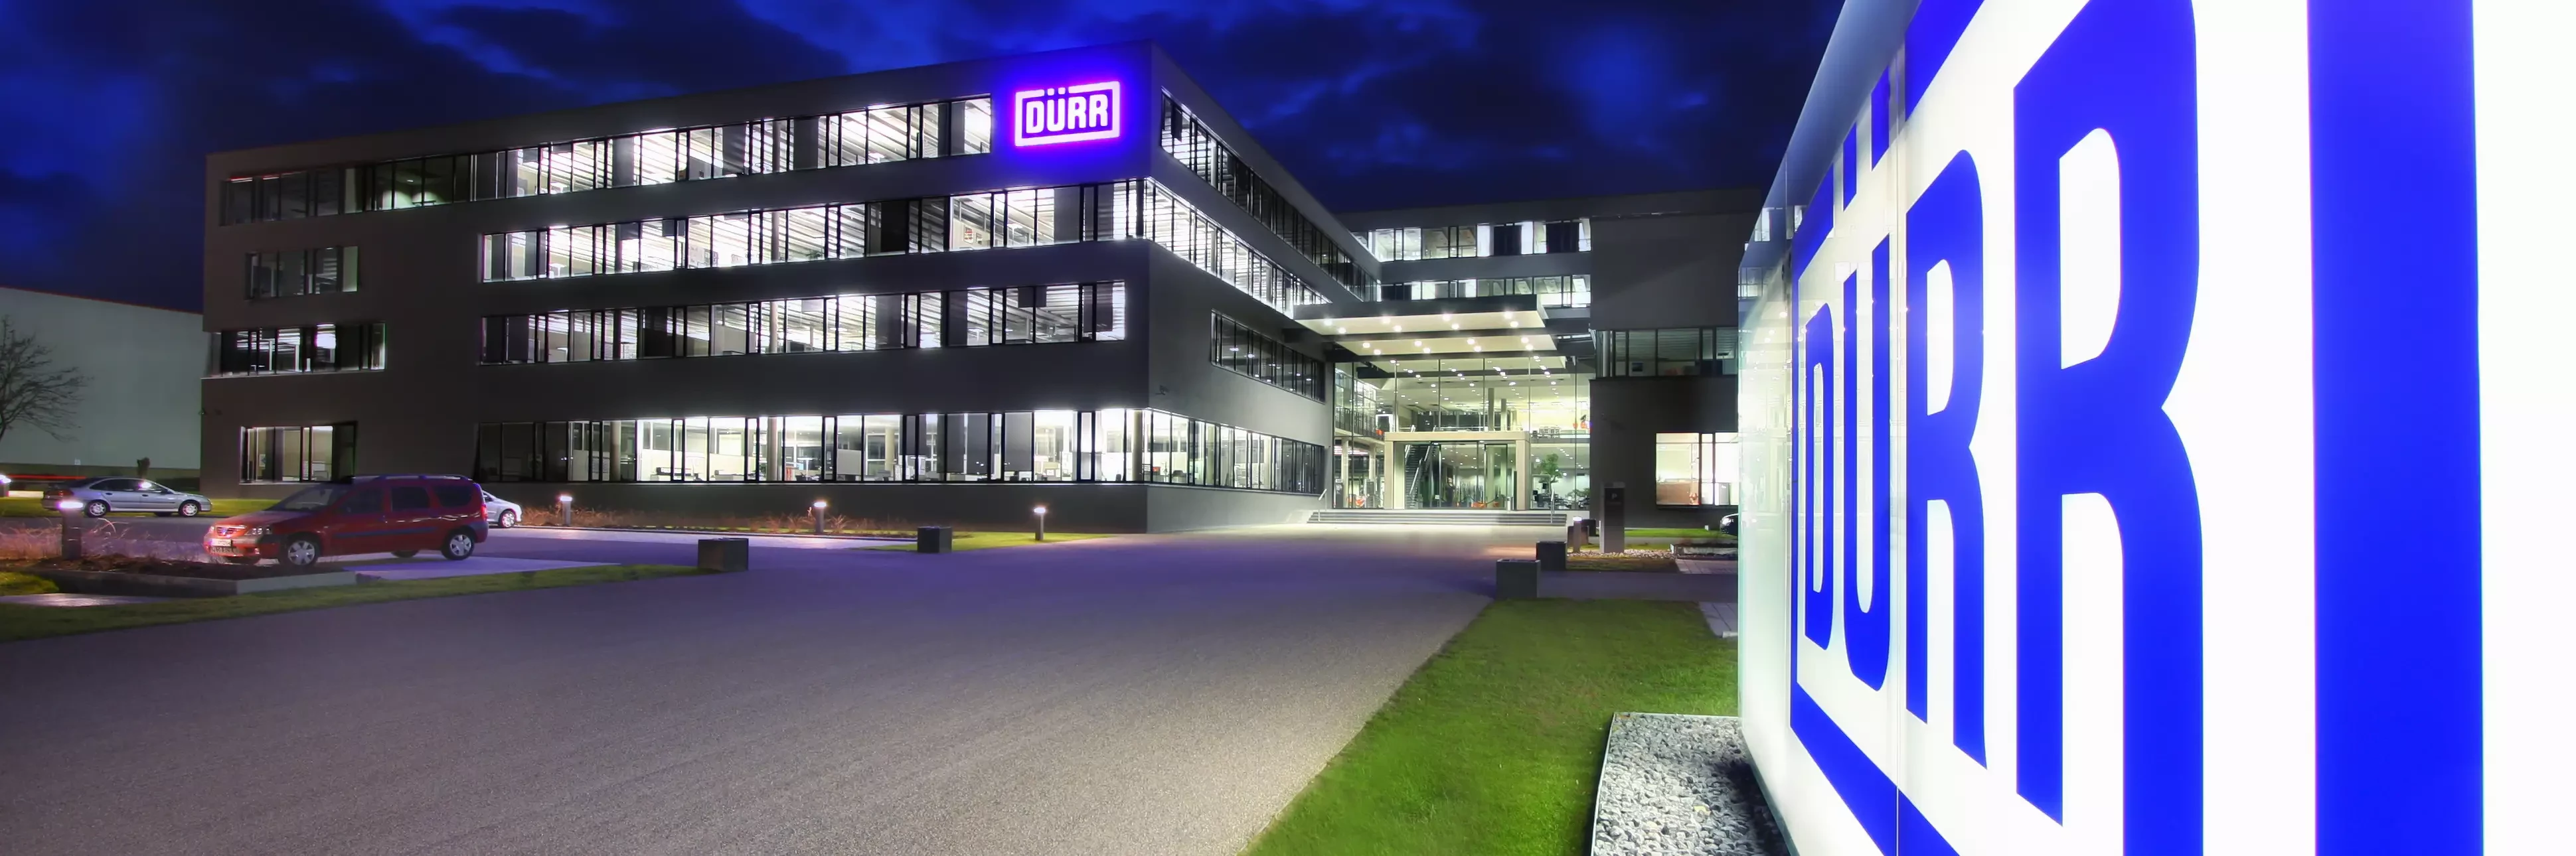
point(155, 585)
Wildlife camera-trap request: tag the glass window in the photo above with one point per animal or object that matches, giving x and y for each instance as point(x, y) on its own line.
point(1695, 470)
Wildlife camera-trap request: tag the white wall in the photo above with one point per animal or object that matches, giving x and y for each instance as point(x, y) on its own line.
point(143, 365)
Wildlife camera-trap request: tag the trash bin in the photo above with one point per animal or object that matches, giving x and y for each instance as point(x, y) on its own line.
point(724, 555)
point(1515, 579)
point(1551, 555)
point(935, 539)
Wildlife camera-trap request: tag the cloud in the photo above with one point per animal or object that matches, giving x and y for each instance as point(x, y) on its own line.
point(1369, 103)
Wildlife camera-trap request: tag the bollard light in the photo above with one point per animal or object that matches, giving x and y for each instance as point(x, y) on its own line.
point(72, 527)
point(819, 505)
point(563, 509)
point(1040, 512)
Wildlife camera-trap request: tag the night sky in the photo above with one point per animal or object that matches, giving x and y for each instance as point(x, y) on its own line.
point(112, 105)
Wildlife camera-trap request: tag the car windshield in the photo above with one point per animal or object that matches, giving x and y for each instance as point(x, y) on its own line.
point(313, 498)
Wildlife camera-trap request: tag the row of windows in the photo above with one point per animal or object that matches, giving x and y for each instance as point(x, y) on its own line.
point(294, 273)
point(1190, 142)
point(963, 318)
point(1242, 350)
point(1527, 238)
point(1571, 290)
point(1039, 446)
point(1014, 218)
point(317, 348)
point(875, 135)
point(1668, 352)
point(298, 453)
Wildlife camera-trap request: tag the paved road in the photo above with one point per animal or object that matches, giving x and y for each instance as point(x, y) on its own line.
point(1149, 694)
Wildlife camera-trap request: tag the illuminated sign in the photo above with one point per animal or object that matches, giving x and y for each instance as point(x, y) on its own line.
point(1065, 114)
point(2073, 429)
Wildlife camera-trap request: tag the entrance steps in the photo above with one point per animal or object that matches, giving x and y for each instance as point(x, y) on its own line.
point(1439, 517)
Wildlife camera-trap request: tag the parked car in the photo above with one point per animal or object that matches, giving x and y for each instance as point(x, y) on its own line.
point(105, 495)
point(398, 514)
point(1726, 524)
point(500, 512)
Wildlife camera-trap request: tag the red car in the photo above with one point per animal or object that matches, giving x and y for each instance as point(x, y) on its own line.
point(402, 515)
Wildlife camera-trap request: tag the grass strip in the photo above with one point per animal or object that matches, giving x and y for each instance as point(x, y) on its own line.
point(1684, 534)
point(964, 541)
point(28, 506)
point(34, 622)
point(1493, 747)
point(12, 583)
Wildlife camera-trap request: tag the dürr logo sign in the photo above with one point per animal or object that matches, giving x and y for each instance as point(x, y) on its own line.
point(1065, 114)
point(2073, 433)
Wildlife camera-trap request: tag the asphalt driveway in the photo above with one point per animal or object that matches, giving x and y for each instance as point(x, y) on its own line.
point(1149, 694)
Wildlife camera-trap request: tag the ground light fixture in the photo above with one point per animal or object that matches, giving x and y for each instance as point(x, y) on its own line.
point(819, 505)
point(563, 509)
point(1040, 513)
point(71, 509)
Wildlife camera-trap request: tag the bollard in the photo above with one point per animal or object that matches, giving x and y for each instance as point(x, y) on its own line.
point(1574, 534)
point(817, 514)
point(73, 527)
point(935, 539)
point(1515, 579)
point(724, 555)
point(1551, 555)
point(563, 510)
point(1040, 513)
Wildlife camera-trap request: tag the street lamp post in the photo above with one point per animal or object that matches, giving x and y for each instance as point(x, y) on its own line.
point(1040, 513)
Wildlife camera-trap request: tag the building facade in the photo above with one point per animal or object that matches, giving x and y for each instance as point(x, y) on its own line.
point(1528, 354)
point(141, 364)
point(937, 294)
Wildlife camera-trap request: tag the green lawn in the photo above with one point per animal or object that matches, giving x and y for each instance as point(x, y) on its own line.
point(1662, 562)
point(1492, 748)
point(1657, 532)
point(12, 582)
point(32, 622)
point(28, 506)
point(964, 541)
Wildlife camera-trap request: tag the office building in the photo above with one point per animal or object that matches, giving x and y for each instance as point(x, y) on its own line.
point(939, 294)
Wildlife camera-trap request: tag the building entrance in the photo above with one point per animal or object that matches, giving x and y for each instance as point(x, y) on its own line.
point(1471, 474)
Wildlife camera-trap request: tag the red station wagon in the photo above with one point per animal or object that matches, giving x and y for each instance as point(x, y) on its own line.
point(402, 515)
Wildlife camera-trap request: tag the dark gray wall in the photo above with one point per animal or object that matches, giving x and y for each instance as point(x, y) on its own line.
point(1627, 413)
point(1675, 270)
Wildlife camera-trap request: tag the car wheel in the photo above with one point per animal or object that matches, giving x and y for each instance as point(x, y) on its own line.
point(405, 554)
point(458, 547)
point(302, 551)
point(509, 518)
point(96, 508)
point(189, 508)
point(242, 560)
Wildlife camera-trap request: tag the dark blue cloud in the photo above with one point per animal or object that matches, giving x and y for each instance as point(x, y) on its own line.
point(1370, 103)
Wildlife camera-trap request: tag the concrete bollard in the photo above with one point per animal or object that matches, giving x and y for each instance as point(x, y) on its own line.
point(1515, 579)
point(1551, 555)
point(1575, 538)
point(75, 525)
point(724, 555)
point(935, 539)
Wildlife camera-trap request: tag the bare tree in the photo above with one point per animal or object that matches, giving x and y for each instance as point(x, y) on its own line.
point(33, 392)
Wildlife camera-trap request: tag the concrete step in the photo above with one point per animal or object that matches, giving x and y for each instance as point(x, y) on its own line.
point(1439, 517)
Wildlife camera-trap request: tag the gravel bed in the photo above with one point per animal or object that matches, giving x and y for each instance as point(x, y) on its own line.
point(1674, 785)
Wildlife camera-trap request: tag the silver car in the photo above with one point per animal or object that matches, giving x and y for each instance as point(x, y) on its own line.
point(499, 512)
point(106, 495)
